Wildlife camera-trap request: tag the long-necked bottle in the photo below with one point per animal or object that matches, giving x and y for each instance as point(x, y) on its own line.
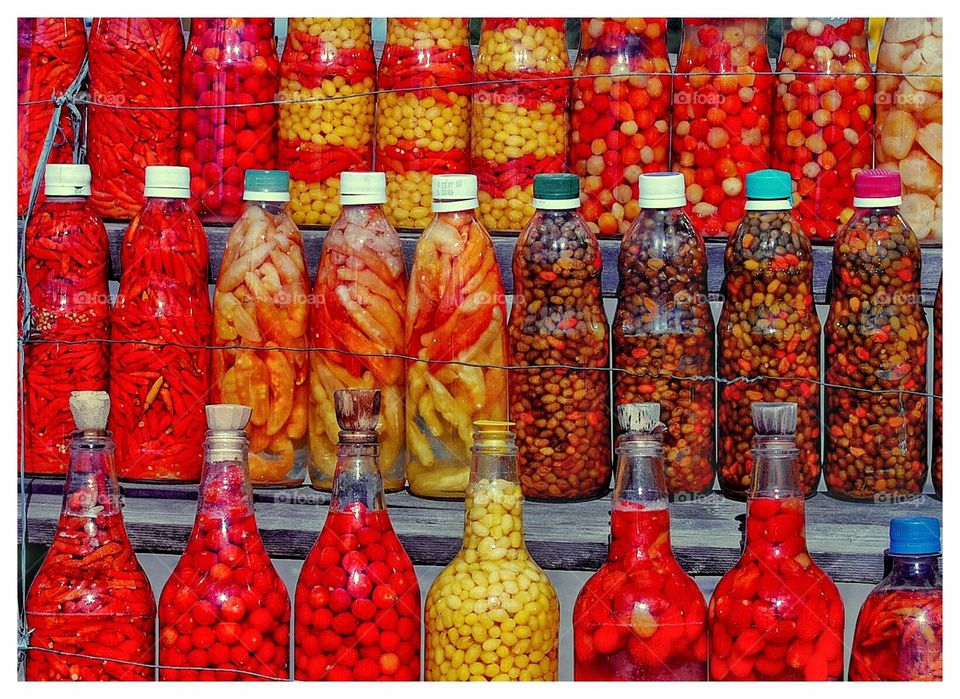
point(357, 598)
point(90, 596)
point(776, 615)
point(492, 579)
point(640, 617)
point(224, 612)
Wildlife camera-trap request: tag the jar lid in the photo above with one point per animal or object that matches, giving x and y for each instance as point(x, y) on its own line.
point(166, 181)
point(66, 180)
point(662, 190)
point(877, 187)
point(769, 190)
point(454, 193)
point(915, 535)
point(363, 188)
point(266, 185)
point(556, 190)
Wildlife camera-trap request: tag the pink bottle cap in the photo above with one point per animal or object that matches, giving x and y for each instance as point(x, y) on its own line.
point(873, 188)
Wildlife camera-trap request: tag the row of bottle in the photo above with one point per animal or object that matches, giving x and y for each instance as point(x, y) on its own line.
point(492, 613)
point(285, 352)
point(618, 113)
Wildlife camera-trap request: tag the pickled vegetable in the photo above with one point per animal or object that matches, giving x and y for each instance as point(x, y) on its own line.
point(936, 468)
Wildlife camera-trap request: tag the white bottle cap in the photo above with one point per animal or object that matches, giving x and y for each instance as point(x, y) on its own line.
point(454, 193)
point(61, 180)
point(363, 188)
point(167, 182)
point(662, 190)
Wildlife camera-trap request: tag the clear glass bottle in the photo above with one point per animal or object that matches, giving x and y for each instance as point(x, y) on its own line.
point(936, 467)
point(492, 579)
point(357, 598)
point(640, 617)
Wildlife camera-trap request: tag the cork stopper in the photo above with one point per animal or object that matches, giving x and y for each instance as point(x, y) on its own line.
point(90, 410)
point(639, 417)
point(227, 417)
point(358, 410)
point(774, 418)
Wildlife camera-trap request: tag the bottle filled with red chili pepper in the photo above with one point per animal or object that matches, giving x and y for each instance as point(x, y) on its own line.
point(768, 336)
point(722, 109)
point(620, 121)
point(90, 609)
point(936, 467)
point(663, 331)
point(357, 599)
point(640, 617)
point(161, 327)
point(520, 119)
point(66, 253)
point(133, 121)
point(557, 320)
point(423, 111)
point(224, 612)
point(899, 636)
point(50, 52)
point(876, 353)
point(230, 81)
point(776, 615)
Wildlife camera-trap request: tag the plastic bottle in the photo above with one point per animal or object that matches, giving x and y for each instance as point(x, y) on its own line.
point(936, 467)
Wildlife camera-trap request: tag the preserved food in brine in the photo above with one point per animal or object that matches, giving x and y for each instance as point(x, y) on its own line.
point(936, 467)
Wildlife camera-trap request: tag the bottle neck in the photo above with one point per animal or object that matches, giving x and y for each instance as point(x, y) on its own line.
point(640, 519)
point(274, 208)
point(225, 490)
point(166, 205)
point(775, 468)
point(91, 487)
point(914, 571)
point(357, 479)
point(493, 521)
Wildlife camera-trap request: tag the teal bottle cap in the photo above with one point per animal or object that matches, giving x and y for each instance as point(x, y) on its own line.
point(556, 190)
point(266, 185)
point(769, 190)
point(916, 536)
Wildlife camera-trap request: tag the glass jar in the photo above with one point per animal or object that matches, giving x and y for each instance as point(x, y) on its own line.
point(722, 109)
point(823, 117)
point(229, 126)
point(160, 326)
point(456, 312)
point(327, 88)
point(90, 596)
point(423, 113)
point(619, 125)
point(134, 71)
point(492, 579)
point(357, 319)
point(557, 318)
point(663, 330)
point(910, 118)
point(357, 599)
point(776, 615)
point(876, 335)
point(260, 301)
point(899, 636)
point(66, 257)
point(224, 612)
point(640, 617)
point(768, 336)
point(519, 125)
point(936, 468)
point(50, 52)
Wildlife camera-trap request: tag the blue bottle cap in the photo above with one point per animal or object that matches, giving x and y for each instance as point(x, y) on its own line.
point(769, 185)
point(266, 185)
point(914, 536)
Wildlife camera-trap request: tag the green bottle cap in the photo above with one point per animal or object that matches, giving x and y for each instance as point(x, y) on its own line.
point(266, 185)
point(556, 190)
point(769, 189)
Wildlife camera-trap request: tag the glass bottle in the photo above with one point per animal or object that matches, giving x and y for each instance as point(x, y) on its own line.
point(90, 596)
point(899, 636)
point(66, 256)
point(557, 318)
point(456, 312)
point(663, 330)
point(134, 71)
point(936, 468)
point(261, 301)
point(328, 84)
point(823, 117)
point(224, 612)
point(640, 617)
point(519, 126)
point(230, 81)
point(768, 328)
point(876, 350)
point(50, 52)
point(423, 111)
point(722, 109)
point(492, 579)
point(910, 118)
point(357, 317)
point(776, 615)
point(357, 599)
point(160, 326)
point(620, 124)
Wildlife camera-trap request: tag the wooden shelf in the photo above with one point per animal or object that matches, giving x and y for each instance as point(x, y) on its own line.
point(847, 539)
